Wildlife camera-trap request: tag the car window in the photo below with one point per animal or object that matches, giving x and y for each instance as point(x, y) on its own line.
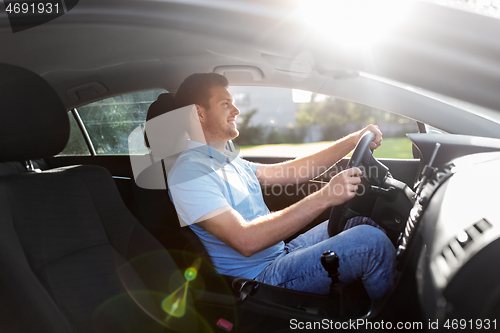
point(110, 121)
point(76, 144)
point(286, 122)
point(273, 122)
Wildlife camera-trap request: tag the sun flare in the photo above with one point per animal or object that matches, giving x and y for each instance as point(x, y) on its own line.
point(353, 23)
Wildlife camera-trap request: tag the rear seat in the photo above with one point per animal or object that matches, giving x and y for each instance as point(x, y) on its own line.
point(10, 168)
point(69, 248)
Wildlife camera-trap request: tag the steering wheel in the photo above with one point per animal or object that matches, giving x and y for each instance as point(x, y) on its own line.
point(361, 157)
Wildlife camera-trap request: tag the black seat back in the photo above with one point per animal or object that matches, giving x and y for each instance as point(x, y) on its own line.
point(157, 213)
point(69, 233)
point(73, 258)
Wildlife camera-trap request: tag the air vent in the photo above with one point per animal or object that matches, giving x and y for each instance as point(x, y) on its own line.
point(450, 258)
point(482, 225)
point(464, 238)
point(450, 252)
point(455, 250)
point(472, 233)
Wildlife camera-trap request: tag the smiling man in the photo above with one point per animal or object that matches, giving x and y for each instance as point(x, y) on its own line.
point(219, 196)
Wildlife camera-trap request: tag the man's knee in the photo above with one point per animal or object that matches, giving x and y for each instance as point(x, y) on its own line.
point(375, 239)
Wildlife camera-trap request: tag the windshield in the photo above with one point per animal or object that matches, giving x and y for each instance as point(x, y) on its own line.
point(477, 110)
point(489, 8)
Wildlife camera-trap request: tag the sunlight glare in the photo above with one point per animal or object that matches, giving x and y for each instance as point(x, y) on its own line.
point(353, 23)
point(175, 303)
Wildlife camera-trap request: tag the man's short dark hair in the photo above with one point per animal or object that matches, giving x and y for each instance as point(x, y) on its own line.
point(196, 89)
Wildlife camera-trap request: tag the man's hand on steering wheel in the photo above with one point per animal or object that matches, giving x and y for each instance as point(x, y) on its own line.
point(377, 141)
point(342, 187)
point(369, 138)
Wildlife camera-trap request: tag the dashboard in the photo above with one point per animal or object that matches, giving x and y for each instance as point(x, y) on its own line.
point(452, 234)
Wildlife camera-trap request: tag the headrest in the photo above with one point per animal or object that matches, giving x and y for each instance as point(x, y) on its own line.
point(33, 121)
point(163, 104)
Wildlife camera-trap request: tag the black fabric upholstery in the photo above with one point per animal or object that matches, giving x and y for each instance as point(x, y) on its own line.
point(65, 233)
point(164, 103)
point(33, 121)
point(10, 168)
point(17, 279)
point(73, 258)
point(157, 213)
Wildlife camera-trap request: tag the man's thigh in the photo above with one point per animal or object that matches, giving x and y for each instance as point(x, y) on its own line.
point(313, 236)
point(301, 268)
point(320, 233)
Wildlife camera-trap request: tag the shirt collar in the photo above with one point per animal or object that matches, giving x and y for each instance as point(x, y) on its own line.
point(211, 151)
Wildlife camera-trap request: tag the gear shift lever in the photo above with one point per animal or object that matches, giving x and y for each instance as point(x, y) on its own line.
point(330, 262)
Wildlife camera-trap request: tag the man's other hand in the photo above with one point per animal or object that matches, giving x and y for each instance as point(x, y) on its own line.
point(377, 141)
point(343, 186)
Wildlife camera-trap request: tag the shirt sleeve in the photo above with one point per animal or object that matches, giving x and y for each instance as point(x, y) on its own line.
point(196, 190)
point(252, 165)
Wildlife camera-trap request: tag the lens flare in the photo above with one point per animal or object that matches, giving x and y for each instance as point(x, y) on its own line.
point(163, 284)
point(353, 23)
point(175, 303)
point(190, 274)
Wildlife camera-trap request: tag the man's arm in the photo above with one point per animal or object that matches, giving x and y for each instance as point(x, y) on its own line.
point(250, 237)
point(306, 168)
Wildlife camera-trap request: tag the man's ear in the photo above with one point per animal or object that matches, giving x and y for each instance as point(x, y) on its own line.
point(200, 112)
point(194, 112)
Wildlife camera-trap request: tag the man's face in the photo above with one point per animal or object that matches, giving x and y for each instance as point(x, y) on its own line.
point(219, 121)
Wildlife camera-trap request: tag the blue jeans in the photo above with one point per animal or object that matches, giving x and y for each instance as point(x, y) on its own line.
point(365, 253)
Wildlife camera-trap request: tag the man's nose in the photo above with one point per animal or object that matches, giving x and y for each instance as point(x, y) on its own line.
point(235, 110)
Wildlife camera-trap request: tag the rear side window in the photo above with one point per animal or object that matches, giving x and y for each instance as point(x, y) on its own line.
point(110, 121)
point(76, 144)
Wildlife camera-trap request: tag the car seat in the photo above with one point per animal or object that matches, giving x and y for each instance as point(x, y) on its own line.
point(73, 258)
